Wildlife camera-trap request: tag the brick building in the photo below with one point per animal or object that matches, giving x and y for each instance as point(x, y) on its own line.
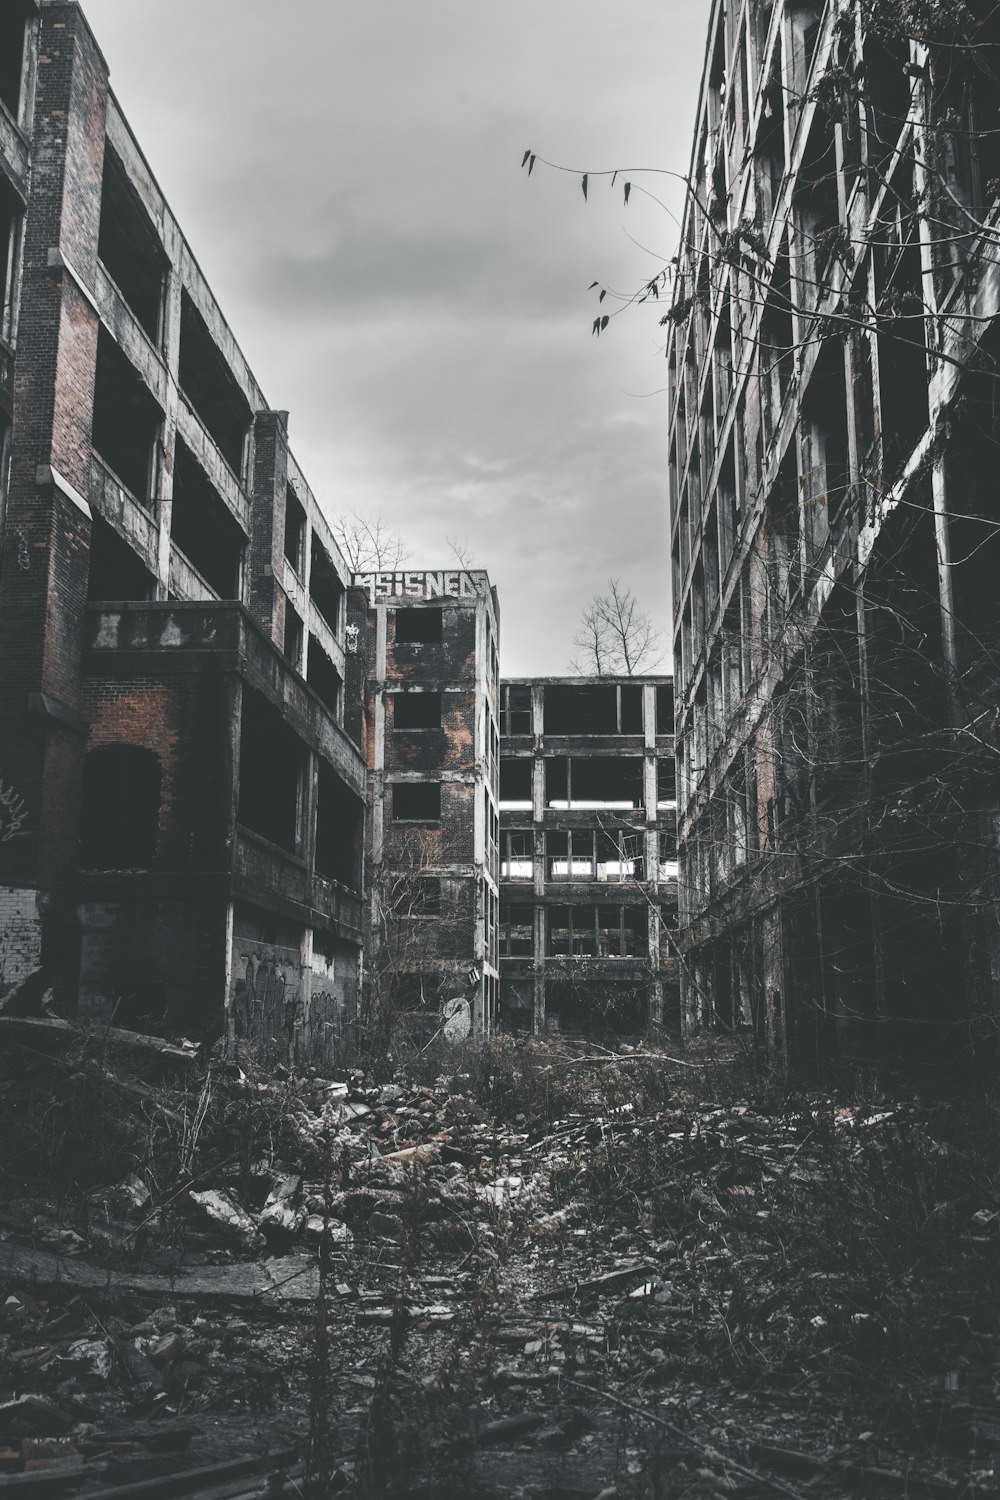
point(425, 686)
point(180, 805)
point(587, 853)
point(833, 366)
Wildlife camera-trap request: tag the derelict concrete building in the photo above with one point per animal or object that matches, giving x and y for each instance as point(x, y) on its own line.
point(833, 367)
point(425, 685)
point(180, 806)
point(588, 892)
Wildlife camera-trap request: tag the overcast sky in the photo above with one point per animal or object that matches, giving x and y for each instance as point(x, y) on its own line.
point(348, 174)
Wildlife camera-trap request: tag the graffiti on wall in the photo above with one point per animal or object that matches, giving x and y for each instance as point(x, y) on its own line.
point(266, 1007)
point(13, 814)
point(454, 584)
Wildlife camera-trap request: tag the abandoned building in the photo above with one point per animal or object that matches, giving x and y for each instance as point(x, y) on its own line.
point(180, 805)
point(424, 686)
point(588, 891)
point(833, 371)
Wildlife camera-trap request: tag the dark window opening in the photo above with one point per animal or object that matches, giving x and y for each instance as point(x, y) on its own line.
point(295, 531)
point(419, 626)
point(323, 677)
point(127, 420)
point(515, 711)
point(817, 205)
point(416, 710)
point(515, 784)
point(13, 16)
point(325, 588)
point(338, 829)
point(120, 808)
point(668, 846)
point(129, 247)
point(115, 572)
point(666, 783)
point(516, 930)
point(517, 862)
point(826, 454)
point(886, 95)
point(416, 802)
point(665, 709)
point(293, 637)
point(10, 224)
point(211, 388)
point(203, 528)
point(631, 710)
point(271, 760)
point(581, 710)
point(595, 782)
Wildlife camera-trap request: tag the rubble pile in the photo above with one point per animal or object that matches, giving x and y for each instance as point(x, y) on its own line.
point(532, 1269)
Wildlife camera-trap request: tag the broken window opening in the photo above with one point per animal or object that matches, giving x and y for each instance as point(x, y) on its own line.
point(202, 527)
point(664, 708)
point(13, 28)
point(127, 421)
point(11, 220)
point(211, 389)
point(325, 588)
point(515, 711)
point(825, 451)
point(129, 247)
point(295, 532)
point(666, 783)
point(518, 855)
point(294, 636)
point(338, 829)
point(416, 710)
point(120, 809)
point(115, 571)
point(419, 627)
point(271, 764)
point(324, 679)
point(594, 783)
point(416, 802)
point(515, 785)
point(517, 937)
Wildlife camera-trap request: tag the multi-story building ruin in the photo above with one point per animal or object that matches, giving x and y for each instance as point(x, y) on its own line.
point(587, 853)
point(833, 377)
point(426, 687)
point(180, 806)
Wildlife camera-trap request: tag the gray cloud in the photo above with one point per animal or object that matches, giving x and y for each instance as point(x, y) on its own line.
point(348, 174)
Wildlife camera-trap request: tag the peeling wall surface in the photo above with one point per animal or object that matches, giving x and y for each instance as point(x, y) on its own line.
point(832, 362)
point(588, 893)
point(173, 747)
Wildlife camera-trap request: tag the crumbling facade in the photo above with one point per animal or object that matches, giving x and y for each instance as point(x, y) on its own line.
point(833, 378)
point(587, 854)
point(425, 680)
point(180, 805)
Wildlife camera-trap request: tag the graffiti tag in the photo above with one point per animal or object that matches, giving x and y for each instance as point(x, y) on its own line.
point(13, 814)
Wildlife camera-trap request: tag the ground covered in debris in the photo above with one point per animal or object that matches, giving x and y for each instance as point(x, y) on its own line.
point(517, 1269)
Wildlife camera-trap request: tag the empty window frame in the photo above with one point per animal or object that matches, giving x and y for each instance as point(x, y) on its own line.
point(666, 782)
point(293, 637)
point(594, 854)
point(515, 785)
point(517, 938)
point(594, 783)
point(130, 249)
point(324, 679)
point(416, 802)
point(325, 588)
point(606, 708)
point(622, 932)
point(11, 222)
point(211, 388)
point(419, 627)
point(665, 708)
point(515, 710)
point(295, 532)
point(114, 570)
point(120, 808)
point(203, 528)
point(416, 711)
point(271, 765)
point(13, 19)
point(571, 932)
point(338, 828)
point(517, 854)
point(127, 421)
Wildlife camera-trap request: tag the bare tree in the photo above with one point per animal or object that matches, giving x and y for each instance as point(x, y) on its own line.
point(615, 637)
point(461, 550)
point(369, 545)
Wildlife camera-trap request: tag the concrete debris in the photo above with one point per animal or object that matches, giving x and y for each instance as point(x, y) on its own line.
point(223, 1210)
